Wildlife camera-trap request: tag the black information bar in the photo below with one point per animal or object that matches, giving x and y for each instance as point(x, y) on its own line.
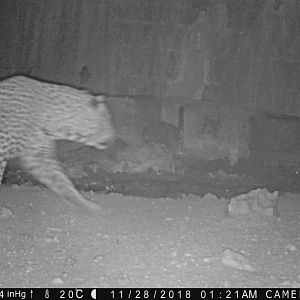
point(150, 293)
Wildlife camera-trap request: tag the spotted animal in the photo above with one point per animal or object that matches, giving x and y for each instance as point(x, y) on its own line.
point(34, 114)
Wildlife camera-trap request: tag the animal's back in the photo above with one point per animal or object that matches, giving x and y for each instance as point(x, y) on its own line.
point(18, 113)
point(33, 114)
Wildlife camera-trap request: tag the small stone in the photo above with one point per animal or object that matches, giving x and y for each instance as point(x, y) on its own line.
point(5, 212)
point(208, 259)
point(98, 257)
point(210, 197)
point(236, 260)
point(71, 261)
point(29, 269)
point(51, 239)
point(291, 248)
point(65, 275)
point(57, 281)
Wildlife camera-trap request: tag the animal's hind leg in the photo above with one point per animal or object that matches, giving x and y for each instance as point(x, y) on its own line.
point(47, 170)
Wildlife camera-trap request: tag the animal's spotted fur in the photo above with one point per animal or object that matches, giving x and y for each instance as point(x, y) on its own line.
point(33, 114)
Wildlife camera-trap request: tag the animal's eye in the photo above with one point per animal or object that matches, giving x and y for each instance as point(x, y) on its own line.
point(96, 100)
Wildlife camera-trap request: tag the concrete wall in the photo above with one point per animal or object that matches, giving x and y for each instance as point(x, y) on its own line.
point(223, 60)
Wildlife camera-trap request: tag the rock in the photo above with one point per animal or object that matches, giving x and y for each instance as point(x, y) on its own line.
point(5, 212)
point(259, 201)
point(236, 260)
point(57, 281)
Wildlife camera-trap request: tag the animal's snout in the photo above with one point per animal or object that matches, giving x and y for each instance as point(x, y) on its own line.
point(109, 141)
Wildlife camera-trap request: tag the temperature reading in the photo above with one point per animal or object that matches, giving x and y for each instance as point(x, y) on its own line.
point(71, 294)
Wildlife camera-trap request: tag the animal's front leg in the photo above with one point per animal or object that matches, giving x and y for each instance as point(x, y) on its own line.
point(42, 165)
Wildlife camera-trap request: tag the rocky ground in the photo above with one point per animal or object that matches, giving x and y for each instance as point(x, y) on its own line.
point(183, 241)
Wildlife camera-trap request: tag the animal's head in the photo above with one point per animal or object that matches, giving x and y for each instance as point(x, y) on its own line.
point(85, 119)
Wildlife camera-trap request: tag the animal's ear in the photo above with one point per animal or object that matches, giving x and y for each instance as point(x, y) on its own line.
point(96, 100)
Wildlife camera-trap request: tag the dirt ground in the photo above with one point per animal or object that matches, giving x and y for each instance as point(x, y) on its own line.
point(183, 241)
